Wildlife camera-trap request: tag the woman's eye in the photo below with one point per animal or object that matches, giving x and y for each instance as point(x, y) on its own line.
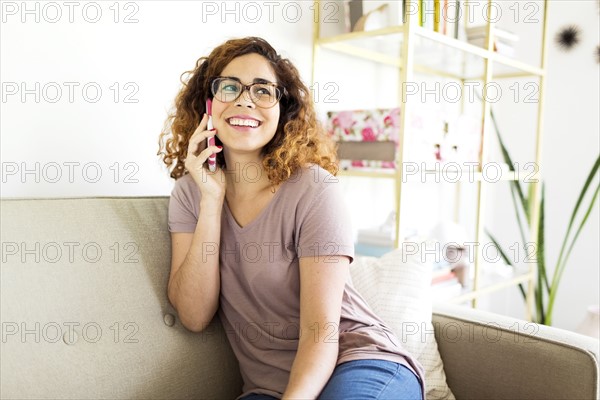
point(263, 91)
point(230, 88)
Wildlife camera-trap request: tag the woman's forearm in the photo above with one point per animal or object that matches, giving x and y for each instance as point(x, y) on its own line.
point(312, 368)
point(194, 290)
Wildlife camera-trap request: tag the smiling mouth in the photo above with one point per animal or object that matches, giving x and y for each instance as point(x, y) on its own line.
point(252, 123)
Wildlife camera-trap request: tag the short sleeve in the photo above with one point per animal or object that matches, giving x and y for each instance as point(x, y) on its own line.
point(183, 205)
point(325, 226)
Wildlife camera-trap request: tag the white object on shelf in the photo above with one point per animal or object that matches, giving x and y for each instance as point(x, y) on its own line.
point(499, 46)
point(590, 326)
point(383, 235)
point(446, 291)
point(447, 232)
point(481, 31)
point(372, 20)
point(498, 269)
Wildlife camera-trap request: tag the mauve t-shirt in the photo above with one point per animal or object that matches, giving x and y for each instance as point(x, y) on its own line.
point(260, 282)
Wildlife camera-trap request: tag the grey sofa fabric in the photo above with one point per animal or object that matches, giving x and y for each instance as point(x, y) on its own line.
point(85, 315)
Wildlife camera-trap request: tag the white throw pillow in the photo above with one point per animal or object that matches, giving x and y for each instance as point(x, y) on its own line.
point(398, 289)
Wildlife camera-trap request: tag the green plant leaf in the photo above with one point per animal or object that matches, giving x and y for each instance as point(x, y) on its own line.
point(506, 260)
point(530, 196)
point(508, 160)
point(540, 317)
point(554, 289)
point(583, 221)
point(517, 214)
point(514, 185)
point(561, 264)
point(541, 253)
point(541, 264)
point(581, 195)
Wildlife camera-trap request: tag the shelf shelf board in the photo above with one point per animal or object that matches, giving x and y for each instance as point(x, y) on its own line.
point(430, 175)
point(500, 284)
point(370, 172)
point(359, 35)
point(435, 53)
point(521, 68)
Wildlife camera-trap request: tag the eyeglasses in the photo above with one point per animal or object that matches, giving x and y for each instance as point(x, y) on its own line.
point(264, 95)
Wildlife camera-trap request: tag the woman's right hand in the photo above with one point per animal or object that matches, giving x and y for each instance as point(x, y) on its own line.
point(211, 184)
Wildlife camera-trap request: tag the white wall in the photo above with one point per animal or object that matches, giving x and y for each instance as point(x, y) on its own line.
point(149, 55)
point(571, 146)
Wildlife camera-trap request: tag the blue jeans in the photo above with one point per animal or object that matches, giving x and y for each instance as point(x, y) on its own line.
point(365, 380)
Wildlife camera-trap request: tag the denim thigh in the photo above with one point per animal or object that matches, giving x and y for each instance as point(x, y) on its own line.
point(256, 396)
point(372, 379)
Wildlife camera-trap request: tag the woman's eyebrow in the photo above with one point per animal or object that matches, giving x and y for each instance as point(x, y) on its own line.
point(255, 80)
point(261, 80)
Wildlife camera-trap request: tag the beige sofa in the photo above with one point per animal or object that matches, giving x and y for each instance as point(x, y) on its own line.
point(85, 315)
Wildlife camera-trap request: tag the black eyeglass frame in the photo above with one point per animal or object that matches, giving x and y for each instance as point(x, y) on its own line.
point(280, 90)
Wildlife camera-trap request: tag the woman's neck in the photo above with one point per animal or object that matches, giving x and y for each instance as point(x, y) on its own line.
point(247, 181)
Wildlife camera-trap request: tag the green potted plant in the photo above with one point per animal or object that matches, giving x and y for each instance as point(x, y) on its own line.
point(545, 289)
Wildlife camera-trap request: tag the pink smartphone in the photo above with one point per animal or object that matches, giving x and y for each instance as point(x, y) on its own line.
point(212, 159)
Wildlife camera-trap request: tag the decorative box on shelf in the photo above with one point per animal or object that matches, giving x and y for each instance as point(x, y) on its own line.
point(366, 138)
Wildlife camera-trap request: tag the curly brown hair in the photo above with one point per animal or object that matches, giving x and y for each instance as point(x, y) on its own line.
point(299, 140)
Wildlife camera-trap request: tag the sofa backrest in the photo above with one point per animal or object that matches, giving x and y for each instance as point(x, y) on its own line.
point(84, 306)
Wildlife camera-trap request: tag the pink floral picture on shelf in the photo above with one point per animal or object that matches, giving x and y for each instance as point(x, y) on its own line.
point(368, 134)
point(365, 126)
point(342, 121)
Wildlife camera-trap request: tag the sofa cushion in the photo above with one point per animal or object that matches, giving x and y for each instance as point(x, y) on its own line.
point(398, 288)
point(84, 306)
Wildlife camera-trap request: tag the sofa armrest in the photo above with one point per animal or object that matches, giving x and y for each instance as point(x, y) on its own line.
point(490, 356)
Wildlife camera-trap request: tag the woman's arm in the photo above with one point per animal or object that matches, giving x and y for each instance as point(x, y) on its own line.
point(322, 281)
point(194, 282)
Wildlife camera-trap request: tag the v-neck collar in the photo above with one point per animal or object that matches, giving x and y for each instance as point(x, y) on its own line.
point(258, 218)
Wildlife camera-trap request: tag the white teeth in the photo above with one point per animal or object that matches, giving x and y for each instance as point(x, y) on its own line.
point(243, 122)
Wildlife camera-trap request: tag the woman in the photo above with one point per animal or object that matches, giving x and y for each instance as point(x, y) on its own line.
point(265, 239)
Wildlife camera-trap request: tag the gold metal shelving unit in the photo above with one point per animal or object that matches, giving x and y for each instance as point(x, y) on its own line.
point(443, 56)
